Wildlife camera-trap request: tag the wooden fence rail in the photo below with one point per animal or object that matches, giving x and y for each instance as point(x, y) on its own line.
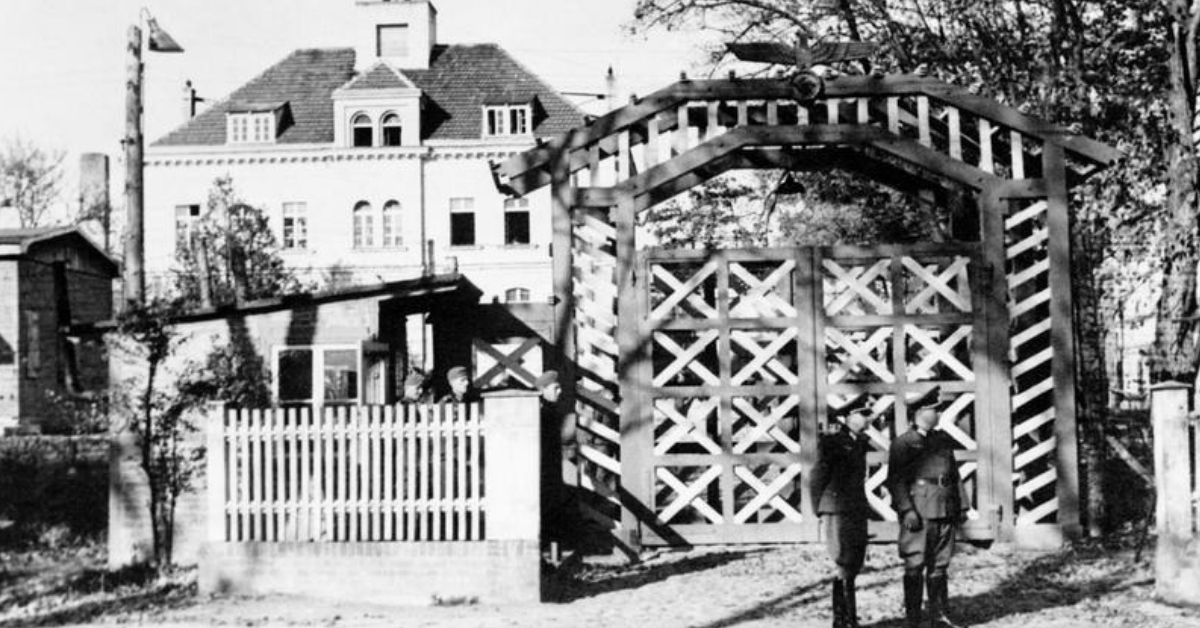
point(408, 472)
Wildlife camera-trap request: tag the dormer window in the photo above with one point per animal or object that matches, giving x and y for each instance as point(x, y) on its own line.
point(363, 134)
point(391, 129)
point(506, 120)
point(256, 122)
point(251, 128)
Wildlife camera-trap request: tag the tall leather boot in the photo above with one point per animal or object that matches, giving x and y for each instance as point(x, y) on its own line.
point(850, 603)
point(913, 590)
point(839, 604)
point(939, 597)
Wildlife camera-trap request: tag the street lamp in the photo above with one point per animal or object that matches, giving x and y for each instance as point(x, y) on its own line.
point(135, 239)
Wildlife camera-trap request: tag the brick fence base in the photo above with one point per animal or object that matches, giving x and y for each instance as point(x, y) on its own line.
point(493, 572)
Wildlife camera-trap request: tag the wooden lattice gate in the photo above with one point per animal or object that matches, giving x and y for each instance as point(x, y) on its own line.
point(753, 353)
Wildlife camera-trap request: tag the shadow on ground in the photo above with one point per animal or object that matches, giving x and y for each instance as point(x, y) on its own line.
point(573, 581)
point(88, 594)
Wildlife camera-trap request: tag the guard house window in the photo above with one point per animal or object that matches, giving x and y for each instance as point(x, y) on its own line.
point(186, 219)
point(317, 375)
point(391, 40)
point(516, 221)
point(364, 226)
point(251, 128)
point(501, 120)
point(391, 224)
point(361, 129)
point(295, 225)
point(391, 130)
point(462, 222)
point(516, 295)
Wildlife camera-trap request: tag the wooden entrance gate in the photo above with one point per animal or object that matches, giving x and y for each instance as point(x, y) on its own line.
point(1002, 175)
point(753, 353)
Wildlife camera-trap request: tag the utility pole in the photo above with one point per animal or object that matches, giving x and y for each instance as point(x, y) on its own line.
point(135, 239)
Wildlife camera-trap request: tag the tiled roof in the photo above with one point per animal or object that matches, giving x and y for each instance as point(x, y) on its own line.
point(305, 79)
point(462, 78)
point(459, 81)
point(378, 77)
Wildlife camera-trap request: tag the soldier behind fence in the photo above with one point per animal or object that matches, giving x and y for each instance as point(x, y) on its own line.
point(414, 389)
point(460, 386)
point(839, 497)
point(931, 502)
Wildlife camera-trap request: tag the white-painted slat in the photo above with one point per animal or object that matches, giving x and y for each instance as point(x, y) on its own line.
point(923, 134)
point(954, 133)
point(986, 162)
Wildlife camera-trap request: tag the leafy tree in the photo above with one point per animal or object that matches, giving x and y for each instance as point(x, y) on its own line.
point(29, 180)
point(157, 404)
point(715, 214)
point(232, 255)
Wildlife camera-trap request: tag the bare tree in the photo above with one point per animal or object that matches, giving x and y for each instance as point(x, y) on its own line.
point(30, 179)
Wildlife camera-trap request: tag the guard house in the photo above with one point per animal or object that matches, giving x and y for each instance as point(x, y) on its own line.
point(50, 279)
point(702, 378)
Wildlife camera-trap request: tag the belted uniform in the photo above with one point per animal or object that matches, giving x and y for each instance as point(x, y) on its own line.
point(840, 498)
point(923, 479)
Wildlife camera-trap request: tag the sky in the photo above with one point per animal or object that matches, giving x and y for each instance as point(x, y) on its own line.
point(62, 62)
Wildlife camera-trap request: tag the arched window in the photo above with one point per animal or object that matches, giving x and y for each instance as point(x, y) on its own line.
point(391, 225)
point(516, 295)
point(391, 129)
point(360, 126)
point(364, 226)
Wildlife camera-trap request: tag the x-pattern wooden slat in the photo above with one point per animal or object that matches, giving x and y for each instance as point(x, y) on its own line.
point(860, 353)
point(939, 352)
point(948, 421)
point(765, 360)
point(875, 482)
point(853, 283)
point(683, 290)
point(686, 495)
point(939, 283)
point(765, 424)
point(762, 297)
point(691, 426)
point(767, 494)
point(686, 358)
point(511, 362)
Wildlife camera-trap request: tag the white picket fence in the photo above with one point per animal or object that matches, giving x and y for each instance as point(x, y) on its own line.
point(407, 472)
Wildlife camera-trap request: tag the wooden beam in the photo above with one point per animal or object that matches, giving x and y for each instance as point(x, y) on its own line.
point(562, 271)
point(993, 400)
point(637, 424)
point(1062, 338)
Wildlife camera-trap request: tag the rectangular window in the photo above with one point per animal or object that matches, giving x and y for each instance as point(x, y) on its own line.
point(364, 228)
point(321, 374)
point(33, 343)
point(391, 225)
point(186, 218)
point(462, 222)
point(251, 128)
point(295, 226)
point(516, 221)
point(501, 120)
point(391, 40)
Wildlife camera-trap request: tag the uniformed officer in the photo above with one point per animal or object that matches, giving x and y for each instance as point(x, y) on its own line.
point(930, 500)
point(840, 498)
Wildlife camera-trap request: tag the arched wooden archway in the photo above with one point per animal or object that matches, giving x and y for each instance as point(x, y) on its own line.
point(1008, 286)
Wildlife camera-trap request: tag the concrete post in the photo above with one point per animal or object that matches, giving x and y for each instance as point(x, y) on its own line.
point(1177, 555)
point(512, 472)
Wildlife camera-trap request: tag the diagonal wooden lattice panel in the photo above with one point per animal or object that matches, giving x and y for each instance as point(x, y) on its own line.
point(597, 392)
point(1034, 469)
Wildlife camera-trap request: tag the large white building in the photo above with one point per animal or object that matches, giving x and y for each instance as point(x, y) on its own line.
point(372, 160)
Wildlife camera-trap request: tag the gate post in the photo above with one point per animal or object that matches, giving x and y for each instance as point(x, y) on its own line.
point(1177, 554)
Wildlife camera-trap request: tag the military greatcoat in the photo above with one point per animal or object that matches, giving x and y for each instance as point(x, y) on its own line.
point(839, 496)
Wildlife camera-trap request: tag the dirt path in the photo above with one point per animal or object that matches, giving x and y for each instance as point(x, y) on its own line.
point(747, 587)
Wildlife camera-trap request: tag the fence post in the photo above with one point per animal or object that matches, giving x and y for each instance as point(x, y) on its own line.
point(214, 476)
point(1177, 555)
point(512, 465)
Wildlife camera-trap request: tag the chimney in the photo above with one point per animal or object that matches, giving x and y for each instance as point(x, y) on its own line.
point(401, 32)
point(189, 101)
point(93, 193)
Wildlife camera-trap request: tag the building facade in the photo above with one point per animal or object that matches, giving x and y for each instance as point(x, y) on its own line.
point(372, 161)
